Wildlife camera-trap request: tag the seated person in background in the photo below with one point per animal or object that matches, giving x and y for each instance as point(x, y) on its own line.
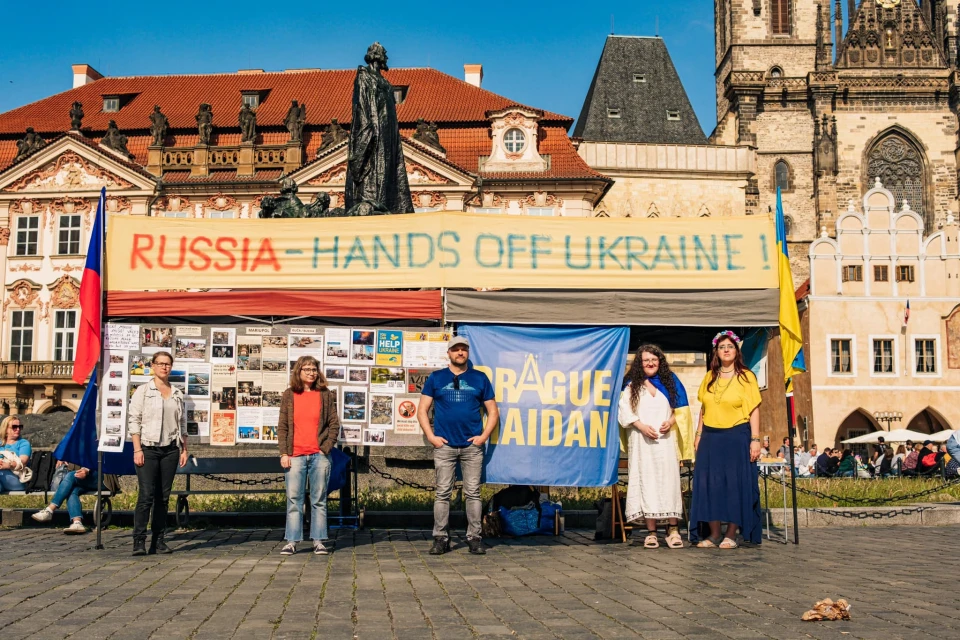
point(825, 463)
point(884, 464)
point(77, 480)
point(812, 466)
point(10, 440)
point(909, 465)
point(848, 465)
point(897, 462)
point(927, 457)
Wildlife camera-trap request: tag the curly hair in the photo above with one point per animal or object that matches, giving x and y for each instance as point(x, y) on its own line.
point(739, 367)
point(296, 384)
point(636, 376)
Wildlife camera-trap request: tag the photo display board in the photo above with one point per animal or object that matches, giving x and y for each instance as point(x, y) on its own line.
point(233, 378)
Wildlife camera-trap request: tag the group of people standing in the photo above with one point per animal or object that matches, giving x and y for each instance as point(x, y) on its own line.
point(654, 412)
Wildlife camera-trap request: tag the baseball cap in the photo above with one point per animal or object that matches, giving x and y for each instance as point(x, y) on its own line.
point(926, 442)
point(458, 340)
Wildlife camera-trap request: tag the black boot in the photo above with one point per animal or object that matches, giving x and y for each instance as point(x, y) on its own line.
point(139, 545)
point(158, 544)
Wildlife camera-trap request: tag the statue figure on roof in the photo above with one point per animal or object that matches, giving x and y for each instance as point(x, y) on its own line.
point(376, 173)
point(248, 124)
point(158, 126)
point(205, 123)
point(334, 135)
point(296, 118)
point(76, 116)
point(426, 133)
point(30, 143)
point(115, 140)
point(288, 205)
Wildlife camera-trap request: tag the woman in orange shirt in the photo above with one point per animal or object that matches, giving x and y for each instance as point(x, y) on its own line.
point(307, 430)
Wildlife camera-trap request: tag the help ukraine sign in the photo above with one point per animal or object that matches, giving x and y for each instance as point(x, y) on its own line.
point(557, 390)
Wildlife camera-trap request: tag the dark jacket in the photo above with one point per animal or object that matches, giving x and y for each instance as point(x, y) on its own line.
point(328, 430)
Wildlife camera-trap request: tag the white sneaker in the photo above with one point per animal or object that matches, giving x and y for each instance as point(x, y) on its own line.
point(44, 515)
point(76, 528)
point(289, 549)
point(319, 549)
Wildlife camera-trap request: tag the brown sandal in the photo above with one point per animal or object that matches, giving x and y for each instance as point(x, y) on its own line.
point(708, 543)
point(651, 542)
point(673, 539)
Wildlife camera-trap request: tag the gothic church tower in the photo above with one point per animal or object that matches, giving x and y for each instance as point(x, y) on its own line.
point(830, 110)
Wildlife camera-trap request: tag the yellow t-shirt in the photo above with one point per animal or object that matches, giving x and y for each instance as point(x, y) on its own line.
point(727, 406)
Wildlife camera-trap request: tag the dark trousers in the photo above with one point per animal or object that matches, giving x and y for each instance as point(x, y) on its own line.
point(155, 478)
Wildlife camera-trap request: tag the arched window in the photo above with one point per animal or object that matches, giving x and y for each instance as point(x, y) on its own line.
point(788, 225)
point(781, 17)
point(900, 166)
point(781, 175)
point(776, 72)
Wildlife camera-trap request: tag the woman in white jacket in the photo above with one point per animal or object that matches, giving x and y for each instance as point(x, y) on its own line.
point(158, 429)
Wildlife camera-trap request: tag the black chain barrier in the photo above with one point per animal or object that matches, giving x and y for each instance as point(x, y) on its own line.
point(868, 501)
point(875, 515)
point(241, 483)
point(401, 481)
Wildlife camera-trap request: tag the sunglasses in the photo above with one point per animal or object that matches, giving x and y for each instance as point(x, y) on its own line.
point(16, 426)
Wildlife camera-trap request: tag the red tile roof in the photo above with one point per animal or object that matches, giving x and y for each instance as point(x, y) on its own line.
point(458, 108)
point(220, 175)
point(803, 290)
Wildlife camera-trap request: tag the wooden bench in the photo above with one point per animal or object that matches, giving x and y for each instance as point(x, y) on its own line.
point(216, 469)
point(104, 513)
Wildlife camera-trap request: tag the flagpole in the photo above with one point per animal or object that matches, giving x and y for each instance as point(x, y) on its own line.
point(791, 432)
point(102, 209)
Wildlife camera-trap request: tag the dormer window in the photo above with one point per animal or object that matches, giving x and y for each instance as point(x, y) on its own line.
point(514, 141)
point(613, 113)
point(639, 77)
point(673, 114)
point(400, 94)
point(111, 104)
point(251, 99)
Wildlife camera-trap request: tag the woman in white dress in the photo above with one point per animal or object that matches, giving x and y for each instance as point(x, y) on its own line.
point(655, 412)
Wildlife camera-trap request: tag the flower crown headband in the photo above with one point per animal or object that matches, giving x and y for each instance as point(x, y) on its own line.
point(727, 334)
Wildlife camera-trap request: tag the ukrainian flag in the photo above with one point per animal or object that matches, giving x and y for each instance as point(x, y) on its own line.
point(790, 339)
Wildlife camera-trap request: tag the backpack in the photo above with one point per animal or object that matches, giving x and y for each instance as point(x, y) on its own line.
point(43, 464)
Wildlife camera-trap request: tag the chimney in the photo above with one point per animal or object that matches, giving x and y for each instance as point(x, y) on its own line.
point(473, 74)
point(84, 74)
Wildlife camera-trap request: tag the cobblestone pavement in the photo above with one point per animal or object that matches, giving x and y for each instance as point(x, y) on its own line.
point(901, 581)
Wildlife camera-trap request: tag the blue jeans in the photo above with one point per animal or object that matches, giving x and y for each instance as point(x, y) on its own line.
point(316, 469)
point(9, 481)
point(70, 489)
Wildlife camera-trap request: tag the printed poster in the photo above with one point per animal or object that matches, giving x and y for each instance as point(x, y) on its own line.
point(358, 375)
point(405, 414)
point(271, 418)
point(223, 428)
point(351, 434)
point(153, 339)
point(274, 350)
point(198, 379)
point(198, 417)
point(374, 437)
point(354, 404)
point(223, 343)
point(416, 378)
point(392, 379)
point(224, 387)
point(338, 347)
point(248, 353)
point(381, 410)
point(249, 388)
point(114, 431)
point(274, 384)
point(390, 347)
point(362, 348)
point(190, 349)
point(416, 351)
point(249, 424)
point(305, 345)
point(335, 373)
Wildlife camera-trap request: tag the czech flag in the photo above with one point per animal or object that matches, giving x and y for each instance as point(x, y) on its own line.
point(790, 339)
point(91, 299)
point(906, 313)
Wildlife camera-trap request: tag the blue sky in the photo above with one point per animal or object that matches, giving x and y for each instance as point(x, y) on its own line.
point(540, 54)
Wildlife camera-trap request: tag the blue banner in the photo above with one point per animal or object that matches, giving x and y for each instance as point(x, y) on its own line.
point(557, 390)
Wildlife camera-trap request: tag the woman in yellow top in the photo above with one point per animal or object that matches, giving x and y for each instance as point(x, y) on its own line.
point(725, 479)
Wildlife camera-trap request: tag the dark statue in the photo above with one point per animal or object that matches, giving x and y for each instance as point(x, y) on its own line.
point(76, 116)
point(158, 126)
point(334, 135)
point(296, 118)
point(205, 123)
point(30, 143)
point(115, 140)
point(426, 133)
point(825, 145)
point(248, 124)
point(288, 205)
point(376, 173)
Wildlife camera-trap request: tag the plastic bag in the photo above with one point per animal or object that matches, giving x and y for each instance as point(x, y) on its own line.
point(520, 521)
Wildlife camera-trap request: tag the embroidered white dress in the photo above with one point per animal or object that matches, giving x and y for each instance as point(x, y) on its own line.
point(654, 469)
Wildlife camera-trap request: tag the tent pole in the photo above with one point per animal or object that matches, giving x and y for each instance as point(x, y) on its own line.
point(791, 432)
point(101, 210)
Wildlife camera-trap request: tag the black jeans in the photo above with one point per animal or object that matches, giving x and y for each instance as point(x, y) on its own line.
point(155, 478)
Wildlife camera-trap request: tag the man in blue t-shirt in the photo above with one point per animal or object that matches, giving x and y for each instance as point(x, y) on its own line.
point(459, 396)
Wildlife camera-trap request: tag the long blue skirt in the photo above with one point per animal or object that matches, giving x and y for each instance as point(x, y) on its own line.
point(726, 485)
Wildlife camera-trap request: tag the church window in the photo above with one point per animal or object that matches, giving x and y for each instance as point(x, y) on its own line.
point(776, 72)
point(900, 167)
point(781, 173)
point(781, 17)
point(787, 226)
point(514, 141)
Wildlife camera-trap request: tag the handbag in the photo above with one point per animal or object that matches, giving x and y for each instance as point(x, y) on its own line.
point(23, 472)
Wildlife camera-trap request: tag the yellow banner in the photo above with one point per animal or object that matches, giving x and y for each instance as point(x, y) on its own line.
point(441, 249)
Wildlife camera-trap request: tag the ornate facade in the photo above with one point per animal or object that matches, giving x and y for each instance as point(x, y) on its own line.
point(176, 146)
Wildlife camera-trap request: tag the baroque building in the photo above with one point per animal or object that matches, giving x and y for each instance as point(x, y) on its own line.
point(213, 146)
